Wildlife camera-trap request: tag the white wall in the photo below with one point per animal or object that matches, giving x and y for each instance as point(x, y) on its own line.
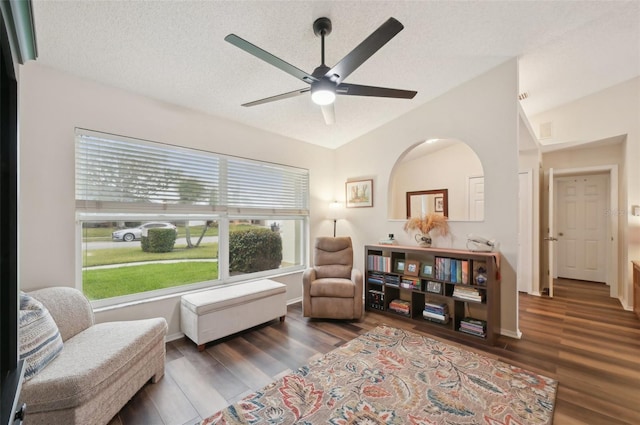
point(52, 104)
point(484, 114)
point(433, 172)
point(612, 112)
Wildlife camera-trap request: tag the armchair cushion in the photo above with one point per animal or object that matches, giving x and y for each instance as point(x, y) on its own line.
point(333, 257)
point(332, 287)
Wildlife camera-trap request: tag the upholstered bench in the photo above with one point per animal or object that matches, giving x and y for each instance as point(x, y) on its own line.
point(215, 313)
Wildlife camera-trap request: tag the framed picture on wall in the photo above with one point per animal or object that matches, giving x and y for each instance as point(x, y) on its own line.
point(359, 193)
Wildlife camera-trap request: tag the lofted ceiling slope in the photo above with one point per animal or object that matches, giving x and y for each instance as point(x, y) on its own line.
point(174, 51)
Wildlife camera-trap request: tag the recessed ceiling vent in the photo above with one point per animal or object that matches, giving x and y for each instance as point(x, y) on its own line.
point(546, 130)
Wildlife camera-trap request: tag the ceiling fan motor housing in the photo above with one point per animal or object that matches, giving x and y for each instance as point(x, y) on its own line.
point(322, 26)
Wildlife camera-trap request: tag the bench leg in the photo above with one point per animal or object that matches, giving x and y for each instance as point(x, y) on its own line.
point(282, 318)
point(201, 347)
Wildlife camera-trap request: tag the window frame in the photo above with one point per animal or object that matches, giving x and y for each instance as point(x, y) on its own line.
point(87, 211)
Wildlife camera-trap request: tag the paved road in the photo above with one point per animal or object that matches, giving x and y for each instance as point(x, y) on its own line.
point(115, 244)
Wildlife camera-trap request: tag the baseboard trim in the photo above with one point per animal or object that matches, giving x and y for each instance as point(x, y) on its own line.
point(173, 337)
point(294, 300)
point(511, 334)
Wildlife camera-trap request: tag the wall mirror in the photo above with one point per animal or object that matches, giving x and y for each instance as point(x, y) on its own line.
point(422, 202)
point(434, 168)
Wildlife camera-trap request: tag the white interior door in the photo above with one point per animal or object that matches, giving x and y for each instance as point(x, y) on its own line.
point(476, 198)
point(525, 232)
point(550, 239)
point(581, 227)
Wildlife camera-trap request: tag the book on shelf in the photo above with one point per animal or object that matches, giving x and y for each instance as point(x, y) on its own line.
point(447, 269)
point(378, 263)
point(392, 280)
point(464, 275)
point(400, 306)
point(376, 299)
point(452, 270)
point(438, 318)
point(467, 293)
point(473, 326)
point(438, 308)
point(436, 312)
point(410, 283)
point(375, 277)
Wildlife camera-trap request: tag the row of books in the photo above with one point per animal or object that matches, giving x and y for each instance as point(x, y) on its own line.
point(374, 277)
point(376, 299)
point(452, 270)
point(379, 263)
point(473, 326)
point(468, 293)
point(392, 280)
point(401, 307)
point(438, 313)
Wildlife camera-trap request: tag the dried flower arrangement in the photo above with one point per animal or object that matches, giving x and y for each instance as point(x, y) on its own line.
point(430, 222)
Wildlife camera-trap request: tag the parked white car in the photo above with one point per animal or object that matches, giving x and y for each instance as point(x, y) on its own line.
point(135, 233)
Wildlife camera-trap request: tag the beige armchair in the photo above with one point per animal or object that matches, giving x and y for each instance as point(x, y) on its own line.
point(332, 288)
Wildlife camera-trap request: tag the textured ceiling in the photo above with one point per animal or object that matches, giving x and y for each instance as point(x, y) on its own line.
point(175, 51)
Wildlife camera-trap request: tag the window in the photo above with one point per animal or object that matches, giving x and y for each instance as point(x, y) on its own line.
point(221, 218)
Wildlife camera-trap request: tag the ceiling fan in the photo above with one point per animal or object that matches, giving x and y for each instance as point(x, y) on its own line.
point(325, 83)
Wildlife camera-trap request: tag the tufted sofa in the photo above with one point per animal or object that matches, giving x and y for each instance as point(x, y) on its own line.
point(101, 366)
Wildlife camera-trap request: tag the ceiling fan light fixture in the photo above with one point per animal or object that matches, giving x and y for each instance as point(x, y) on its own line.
point(323, 93)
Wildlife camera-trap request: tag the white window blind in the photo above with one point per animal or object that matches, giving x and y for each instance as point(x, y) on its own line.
point(119, 173)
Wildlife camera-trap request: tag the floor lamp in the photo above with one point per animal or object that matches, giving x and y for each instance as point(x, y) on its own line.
point(336, 210)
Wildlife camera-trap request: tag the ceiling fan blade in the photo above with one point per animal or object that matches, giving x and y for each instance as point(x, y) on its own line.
point(278, 97)
point(365, 50)
point(269, 58)
point(359, 90)
point(329, 114)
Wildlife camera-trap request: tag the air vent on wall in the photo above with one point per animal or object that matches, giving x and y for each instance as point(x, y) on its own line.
point(546, 130)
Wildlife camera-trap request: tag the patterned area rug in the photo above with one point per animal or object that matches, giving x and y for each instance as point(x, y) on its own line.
point(391, 376)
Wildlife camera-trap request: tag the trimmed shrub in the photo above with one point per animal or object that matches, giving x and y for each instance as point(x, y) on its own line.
point(159, 240)
point(254, 250)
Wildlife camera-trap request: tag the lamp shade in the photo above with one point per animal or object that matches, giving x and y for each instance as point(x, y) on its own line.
point(336, 210)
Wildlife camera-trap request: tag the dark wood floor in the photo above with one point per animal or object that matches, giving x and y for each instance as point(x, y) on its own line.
point(581, 337)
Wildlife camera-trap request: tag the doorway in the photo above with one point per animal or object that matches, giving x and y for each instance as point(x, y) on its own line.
point(581, 227)
point(594, 212)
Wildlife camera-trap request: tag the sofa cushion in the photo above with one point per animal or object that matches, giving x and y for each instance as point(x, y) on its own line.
point(332, 287)
point(91, 361)
point(40, 340)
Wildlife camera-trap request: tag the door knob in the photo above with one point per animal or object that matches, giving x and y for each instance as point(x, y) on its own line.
point(560, 234)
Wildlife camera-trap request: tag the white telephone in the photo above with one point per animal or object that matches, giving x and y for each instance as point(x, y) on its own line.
point(478, 243)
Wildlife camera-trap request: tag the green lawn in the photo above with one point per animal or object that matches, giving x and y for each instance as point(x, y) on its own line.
point(117, 281)
point(113, 282)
